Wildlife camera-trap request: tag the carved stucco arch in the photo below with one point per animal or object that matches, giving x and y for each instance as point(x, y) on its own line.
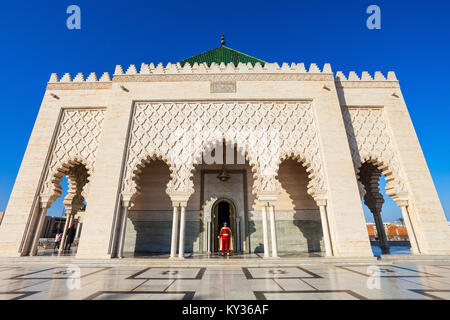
point(229, 140)
point(392, 186)
point(316, 186)
point(77, 170)
point(132, 188)
point(209, 205)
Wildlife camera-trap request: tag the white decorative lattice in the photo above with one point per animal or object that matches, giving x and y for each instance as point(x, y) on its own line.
point(76, 143)
point(370, 140)
point(180, 132)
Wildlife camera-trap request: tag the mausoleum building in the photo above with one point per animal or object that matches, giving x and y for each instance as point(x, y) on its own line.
point(162, 156)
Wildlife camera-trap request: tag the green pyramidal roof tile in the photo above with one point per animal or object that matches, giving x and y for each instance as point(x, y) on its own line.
point(222, 54)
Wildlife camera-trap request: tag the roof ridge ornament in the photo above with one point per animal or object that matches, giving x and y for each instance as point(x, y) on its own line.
point(222, 41)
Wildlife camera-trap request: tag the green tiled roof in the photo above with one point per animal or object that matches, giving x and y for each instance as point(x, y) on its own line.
point(222, 54)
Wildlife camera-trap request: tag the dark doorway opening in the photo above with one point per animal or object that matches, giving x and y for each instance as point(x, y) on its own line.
point(223, 214)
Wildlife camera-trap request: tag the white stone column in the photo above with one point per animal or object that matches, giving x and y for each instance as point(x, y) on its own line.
point(79, 226)
point(37, 235)
point(123, 229)
point(325, 228)
point(273, 232)
point(412, 237)
point(173, 244)
point(208, 237)
point(238, 234)
point(62, 244)
point(182, 231)
point(265, 231)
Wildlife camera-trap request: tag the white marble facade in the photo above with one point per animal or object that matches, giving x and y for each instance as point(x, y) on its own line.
point(103, 134)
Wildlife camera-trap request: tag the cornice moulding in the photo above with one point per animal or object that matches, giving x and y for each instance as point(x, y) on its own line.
point(367, 84)
point(78, 85)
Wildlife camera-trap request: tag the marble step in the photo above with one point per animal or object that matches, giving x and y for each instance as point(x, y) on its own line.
point(214, 261)
point(224, 261)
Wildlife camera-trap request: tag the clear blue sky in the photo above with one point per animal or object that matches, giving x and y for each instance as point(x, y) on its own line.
point(413, 41)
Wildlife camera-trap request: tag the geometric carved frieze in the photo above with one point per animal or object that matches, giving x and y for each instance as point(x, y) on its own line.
point(370, 141)
point(265, 131)
point(79, 85)
point(223, 77)
point(73, 153)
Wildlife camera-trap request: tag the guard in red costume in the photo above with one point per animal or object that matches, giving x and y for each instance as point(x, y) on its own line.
point(225, 234)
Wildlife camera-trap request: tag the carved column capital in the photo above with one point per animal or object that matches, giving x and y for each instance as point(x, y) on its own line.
point(45, 201)
point(179, 198)
point(321, 202)
point(127, 200)
point(402, 202)
point(402, 199)
point(267, 197)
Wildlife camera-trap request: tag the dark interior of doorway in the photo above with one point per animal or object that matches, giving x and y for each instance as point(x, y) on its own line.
point(223, 214)
point(223, 210)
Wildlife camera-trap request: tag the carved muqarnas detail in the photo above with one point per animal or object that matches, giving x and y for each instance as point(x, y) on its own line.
point(73, 154)
point(266, 132)
point(370, 141)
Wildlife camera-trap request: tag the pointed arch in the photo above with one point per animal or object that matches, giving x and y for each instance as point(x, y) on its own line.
point(392, 185)
point(77, 170)
point(131, 186)
point(242, 148)
point(316, 184)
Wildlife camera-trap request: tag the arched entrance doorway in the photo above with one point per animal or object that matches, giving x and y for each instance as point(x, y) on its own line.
point(223, 210)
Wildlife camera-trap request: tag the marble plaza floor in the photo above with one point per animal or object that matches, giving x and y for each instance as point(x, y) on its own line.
point(410, 280)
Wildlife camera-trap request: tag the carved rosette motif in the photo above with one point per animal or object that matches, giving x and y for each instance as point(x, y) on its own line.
point(73, 154)
point(180, 132)
point(370, 141)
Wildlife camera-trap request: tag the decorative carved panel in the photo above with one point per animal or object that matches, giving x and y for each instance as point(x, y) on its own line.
point(76, 143)
point(180, 132)
point(370, 141)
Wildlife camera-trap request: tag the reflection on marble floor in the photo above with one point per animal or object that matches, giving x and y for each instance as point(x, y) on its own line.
point(306, 282)
point(218, 256)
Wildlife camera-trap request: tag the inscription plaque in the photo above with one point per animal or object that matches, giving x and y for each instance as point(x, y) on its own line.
point(223, 86)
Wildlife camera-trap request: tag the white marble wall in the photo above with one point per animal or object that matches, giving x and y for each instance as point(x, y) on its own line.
point(149, 232)
point(298, 231)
